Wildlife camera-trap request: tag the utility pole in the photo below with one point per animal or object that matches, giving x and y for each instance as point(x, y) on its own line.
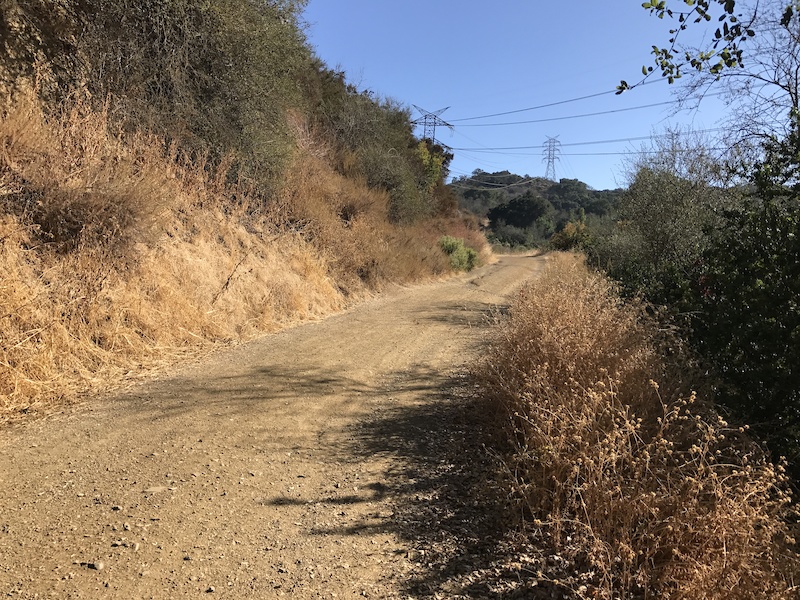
point(429, 122)
point(551, 149)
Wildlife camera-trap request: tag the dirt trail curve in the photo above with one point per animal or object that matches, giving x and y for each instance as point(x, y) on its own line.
point(291, 466)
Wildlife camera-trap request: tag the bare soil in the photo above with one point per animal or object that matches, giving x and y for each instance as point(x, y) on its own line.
point(337, 459)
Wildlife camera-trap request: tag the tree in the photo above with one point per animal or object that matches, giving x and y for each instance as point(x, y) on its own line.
point(764, 88)
point(767, 60)
point(749, 319)
point(674, 198)
point(569, 194)
point(724, 52)
point(522, 211)
point(745, 274)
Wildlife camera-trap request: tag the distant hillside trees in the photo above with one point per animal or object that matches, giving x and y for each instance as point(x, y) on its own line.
point(521, 211)
point(528, 211)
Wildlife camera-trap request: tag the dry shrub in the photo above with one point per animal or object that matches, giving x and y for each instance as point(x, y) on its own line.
point(161, 258)
point(635, 480)
point(75, 181)
point(349, 223)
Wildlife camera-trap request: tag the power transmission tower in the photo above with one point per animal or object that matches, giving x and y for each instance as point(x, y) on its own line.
point(551, 149)
point(429, 122)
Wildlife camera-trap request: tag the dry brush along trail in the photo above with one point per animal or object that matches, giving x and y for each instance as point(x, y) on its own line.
point(333, 459)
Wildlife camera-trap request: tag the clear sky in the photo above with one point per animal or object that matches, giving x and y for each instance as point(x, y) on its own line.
point(481, 58)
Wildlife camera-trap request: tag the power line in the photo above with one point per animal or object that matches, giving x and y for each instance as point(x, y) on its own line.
point(629, 139)
point(512, 112)
point(484, 184)
point(594, 114)
point(485, 175)
point(637, 152)
point(559, 103)
point(460, 182)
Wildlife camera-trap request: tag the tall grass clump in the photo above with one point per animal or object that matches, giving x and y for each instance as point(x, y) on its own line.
point(628, 470)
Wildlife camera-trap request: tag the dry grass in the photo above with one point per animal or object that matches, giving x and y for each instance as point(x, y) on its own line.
point(118, 255)
point(350, 225)
point(114, 257)
point(616, 458)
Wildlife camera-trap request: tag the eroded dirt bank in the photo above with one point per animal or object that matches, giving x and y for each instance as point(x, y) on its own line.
point(280, 468)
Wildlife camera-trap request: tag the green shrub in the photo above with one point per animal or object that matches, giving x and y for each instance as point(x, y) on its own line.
point(574, 235)
point(215, 77)
point(462, 258)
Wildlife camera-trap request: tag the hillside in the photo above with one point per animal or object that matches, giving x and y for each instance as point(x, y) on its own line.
point(527, 211)
point(175, 176)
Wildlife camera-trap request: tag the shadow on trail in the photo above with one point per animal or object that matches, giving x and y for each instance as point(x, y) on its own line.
point(448, 503)
point(377, 491)
point(442, 485)
point(275, 388)
point(475, 315)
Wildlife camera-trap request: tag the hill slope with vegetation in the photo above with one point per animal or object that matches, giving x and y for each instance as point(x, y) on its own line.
point(528, 211)
point(174, 175)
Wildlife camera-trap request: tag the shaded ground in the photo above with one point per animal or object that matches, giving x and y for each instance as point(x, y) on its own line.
point(337, 459)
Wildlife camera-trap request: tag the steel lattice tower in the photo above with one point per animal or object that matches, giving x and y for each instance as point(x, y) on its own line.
point(551, 149)
point(429, 122)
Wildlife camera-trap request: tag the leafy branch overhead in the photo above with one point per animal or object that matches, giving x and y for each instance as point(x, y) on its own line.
point(723, 52)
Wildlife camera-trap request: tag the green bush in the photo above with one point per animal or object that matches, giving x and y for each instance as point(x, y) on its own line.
point(748, 315)
point(462, 258)
point(723, 261)
point(574, 235)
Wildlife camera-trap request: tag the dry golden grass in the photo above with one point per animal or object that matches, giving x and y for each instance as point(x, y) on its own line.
point(114, 257)
point(118, 255)
point(350, 225)
point(616, 458)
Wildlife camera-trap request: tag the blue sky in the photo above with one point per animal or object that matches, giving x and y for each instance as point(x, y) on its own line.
point(483, 58)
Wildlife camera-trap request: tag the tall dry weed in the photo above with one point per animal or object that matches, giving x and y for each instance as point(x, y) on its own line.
point(619, 462)
point(76, 181)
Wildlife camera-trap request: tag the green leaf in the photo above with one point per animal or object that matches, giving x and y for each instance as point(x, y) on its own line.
point(787, 16)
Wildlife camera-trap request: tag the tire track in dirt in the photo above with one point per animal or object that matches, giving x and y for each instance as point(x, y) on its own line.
point(251, 474)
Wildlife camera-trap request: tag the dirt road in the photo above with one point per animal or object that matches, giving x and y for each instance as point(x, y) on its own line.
point(308, 464)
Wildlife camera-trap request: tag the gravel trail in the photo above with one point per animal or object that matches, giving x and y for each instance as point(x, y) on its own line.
point(297, 465)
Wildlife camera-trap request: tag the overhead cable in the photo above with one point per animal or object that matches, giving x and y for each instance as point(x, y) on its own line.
point(539, 146)
point(559, 103)
point(565, 118)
